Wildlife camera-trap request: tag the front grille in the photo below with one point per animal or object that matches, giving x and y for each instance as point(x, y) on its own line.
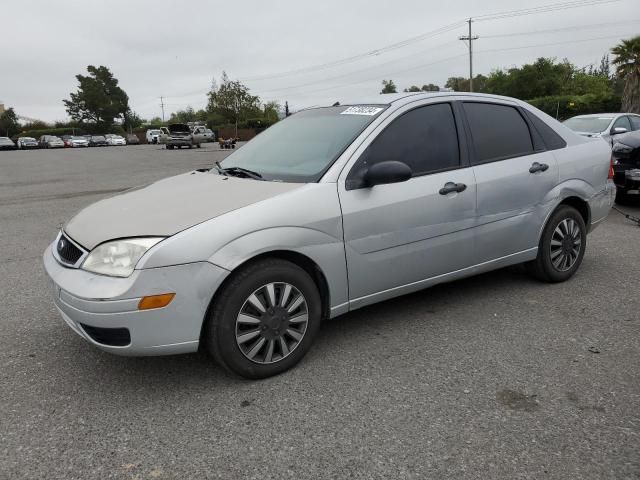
point(114, 337)
point(67, 251)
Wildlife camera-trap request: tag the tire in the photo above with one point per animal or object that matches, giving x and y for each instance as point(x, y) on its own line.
point(558, 261)
point(190, 146)
point(170, 147)
point(199, 145)
point(226, 321)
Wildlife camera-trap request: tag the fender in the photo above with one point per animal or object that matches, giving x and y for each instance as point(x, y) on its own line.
point(569, 188)
point(325, 251)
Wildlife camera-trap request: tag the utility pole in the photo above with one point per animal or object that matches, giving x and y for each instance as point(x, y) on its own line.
point(470, 38)
point(162, 106)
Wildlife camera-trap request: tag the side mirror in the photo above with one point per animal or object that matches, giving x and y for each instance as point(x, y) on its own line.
point(618, 130)
point(387, 172)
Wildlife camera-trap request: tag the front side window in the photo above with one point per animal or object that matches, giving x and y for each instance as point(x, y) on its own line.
point(425, 138)
point(498, 131)
point(302, 147)
point(622, 122)
point(635, 122)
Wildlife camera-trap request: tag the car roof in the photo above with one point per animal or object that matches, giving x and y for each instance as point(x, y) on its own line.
point(407, 97)
point(599, 115)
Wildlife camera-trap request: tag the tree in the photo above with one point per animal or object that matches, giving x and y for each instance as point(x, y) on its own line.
point(99, 99)
point(430, 88)
point(627, 64)
point(271, 112)
point(412, 88)
point(388, 87)
point(132, 120)
point(9, 123)
point(232, 101)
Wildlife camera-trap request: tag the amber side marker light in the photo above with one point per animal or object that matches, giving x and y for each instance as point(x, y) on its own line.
point(155, 301)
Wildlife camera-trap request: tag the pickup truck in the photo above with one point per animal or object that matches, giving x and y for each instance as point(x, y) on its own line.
point(180, 135)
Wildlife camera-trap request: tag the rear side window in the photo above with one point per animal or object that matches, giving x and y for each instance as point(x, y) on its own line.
point(425, 138)
point(497, 131)
point(551, 139)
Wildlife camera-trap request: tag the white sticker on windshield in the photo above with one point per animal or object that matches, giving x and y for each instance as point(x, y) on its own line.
point(370, 111)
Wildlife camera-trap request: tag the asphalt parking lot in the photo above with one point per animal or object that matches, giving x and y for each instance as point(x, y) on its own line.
point(493, 377)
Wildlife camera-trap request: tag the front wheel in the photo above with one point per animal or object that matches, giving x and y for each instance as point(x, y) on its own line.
point(561, 247)
point(264, 319)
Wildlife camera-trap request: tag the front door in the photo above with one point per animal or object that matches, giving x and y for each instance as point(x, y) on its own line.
point(398, 235)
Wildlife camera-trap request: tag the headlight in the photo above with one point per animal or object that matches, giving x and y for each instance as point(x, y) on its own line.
point(118, 258)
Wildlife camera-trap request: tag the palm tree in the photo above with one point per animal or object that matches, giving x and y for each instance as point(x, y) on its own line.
point(627, 63)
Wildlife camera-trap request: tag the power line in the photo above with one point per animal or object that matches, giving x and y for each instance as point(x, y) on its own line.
point(441, 30)
point(542, 9)
point(456, 57)
point(560, 29)
point(552, 44)
point(348, 74)
point(376, 52)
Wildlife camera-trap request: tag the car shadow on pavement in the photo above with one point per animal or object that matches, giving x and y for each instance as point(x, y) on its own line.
point(417, 311)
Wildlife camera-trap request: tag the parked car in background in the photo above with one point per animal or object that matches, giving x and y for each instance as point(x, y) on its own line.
point(203, 134)
point(98, 141)
point(7, 144)
point(79, 142)
point(327, 211)
point(604, 125)
point(626, 166)
point(133, 139)
point(180, 135)
point(115, 139)
point(50, 141)
point(25, 143)
point(152, 135)
point(66, 139)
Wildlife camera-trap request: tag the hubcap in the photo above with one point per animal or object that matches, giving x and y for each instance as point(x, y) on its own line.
point(566, 243)
point(271, 323)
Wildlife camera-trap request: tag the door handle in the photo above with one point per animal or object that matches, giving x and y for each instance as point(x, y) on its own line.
point(538, 167)
point(451, 187)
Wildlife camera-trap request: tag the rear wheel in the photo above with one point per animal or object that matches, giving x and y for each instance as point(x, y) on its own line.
point(561, 247)
point(264, 319)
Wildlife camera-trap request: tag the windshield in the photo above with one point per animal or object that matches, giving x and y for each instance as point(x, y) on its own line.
point(28, 139)
point(155, 132)
point(588, 124)
point(79, 138)
point(301, 147)
point(97, 137)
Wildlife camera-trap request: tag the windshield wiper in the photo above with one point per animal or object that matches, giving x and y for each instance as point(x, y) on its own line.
point(239, 171)
point(219, 168)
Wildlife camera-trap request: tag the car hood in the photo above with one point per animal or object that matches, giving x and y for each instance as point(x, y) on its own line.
point(168, 206)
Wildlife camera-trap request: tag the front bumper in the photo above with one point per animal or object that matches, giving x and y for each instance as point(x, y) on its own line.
point(91, 303)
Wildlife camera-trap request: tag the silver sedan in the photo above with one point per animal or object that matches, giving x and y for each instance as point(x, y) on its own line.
point(325, 212)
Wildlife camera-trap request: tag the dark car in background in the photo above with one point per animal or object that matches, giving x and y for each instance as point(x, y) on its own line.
point(50, 141)
point(98, 141)
point(25, 143)
point(7, 144)
point(626, 166)
point(133, 139)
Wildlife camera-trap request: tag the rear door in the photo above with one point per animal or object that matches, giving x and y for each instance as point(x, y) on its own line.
point(400, 234)
point(514, 174)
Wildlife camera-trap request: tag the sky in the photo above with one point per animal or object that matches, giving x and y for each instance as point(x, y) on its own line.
point(174, 49)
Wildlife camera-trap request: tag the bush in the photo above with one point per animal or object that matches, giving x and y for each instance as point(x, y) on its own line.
point(566, 106)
